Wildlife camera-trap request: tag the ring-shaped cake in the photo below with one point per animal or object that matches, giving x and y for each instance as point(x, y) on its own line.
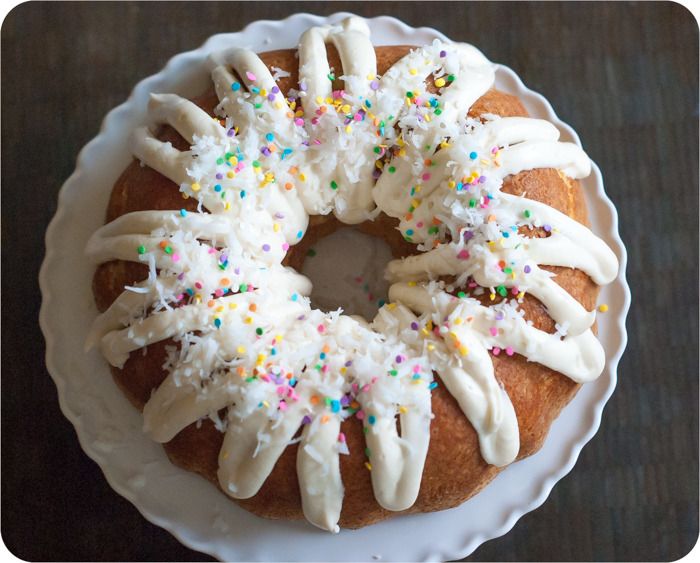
point(296, 411)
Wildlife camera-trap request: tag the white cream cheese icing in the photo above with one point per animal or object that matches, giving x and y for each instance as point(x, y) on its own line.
point(248, 340)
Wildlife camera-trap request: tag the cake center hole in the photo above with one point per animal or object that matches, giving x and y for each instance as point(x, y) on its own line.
point(347, 271)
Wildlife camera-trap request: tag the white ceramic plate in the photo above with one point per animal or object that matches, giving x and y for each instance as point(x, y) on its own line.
point(193, 510)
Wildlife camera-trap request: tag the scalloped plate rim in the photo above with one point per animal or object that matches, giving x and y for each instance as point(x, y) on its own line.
point(169, 521)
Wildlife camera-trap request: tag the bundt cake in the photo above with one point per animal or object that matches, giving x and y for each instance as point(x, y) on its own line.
point(297, 412)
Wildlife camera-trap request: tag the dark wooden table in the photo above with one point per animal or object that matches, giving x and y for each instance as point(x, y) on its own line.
point(624, 75)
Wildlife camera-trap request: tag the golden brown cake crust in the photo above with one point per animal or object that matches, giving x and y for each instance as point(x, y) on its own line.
point(454, 469)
